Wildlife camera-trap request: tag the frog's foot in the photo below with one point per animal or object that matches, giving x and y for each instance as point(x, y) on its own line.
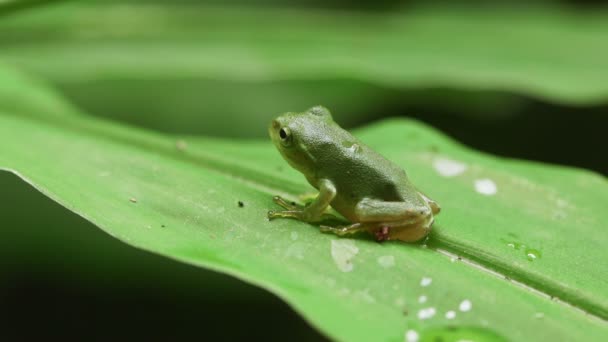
point(435, 208)
point(308, 197)
point(293, 211)
point(286, 204)
point(300, 215)
point(298, 212)
point(382, 234)
point(295, 214)
point(343, 230)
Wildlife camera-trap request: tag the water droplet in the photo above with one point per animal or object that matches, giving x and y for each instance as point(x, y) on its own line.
point(400, 301)
point(411, 336)
point(518, 245)
point(450, 314)
point(448, 167)
point(344, 291)
point(426, 313)
point(424, 282)
point(465, 305)
point(422, 299)
point(485, 186)
point(296, 251)
point(386, 261)
point(366, 296)
point(532, 254)
point(561, 203)
point(343, 251)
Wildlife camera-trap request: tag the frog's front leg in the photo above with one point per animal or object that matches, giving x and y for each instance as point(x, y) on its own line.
point(311, 213)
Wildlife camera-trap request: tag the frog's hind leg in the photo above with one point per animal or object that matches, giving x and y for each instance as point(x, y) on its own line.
point(434, 206)
point(344, 230)
point(381, 232)
point(371, 210)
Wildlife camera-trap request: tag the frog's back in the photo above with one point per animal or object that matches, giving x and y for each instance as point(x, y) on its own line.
point(359, 172)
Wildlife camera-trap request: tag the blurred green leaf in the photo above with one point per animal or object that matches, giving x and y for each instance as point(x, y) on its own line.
point(9, 6)
point(542, 227)
point(225, 70)
point(221, 108)
point(547, 51)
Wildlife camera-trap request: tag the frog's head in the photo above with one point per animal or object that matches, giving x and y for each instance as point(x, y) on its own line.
point(297, 135)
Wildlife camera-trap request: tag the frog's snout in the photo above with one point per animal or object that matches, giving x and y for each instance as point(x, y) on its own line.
point(273, 127)
point(274, 124)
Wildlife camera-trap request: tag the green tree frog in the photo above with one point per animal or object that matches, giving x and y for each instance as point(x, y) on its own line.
point(374, 194)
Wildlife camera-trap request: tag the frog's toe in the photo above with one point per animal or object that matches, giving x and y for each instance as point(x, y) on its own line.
point(435, 208)
point(285, 204)
point(342, 230)
point(326, 229)
point(382, 234)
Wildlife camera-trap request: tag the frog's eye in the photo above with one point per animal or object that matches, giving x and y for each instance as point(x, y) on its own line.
point(285, 135)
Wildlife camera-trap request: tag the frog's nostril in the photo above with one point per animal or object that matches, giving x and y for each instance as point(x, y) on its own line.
point(275, 124)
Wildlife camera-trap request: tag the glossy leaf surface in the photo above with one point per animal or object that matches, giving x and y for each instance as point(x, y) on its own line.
point(180, 198)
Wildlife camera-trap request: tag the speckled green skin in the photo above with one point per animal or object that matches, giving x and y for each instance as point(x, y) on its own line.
point(366, 188)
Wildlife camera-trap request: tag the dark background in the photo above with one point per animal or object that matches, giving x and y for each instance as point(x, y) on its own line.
point(62, 277)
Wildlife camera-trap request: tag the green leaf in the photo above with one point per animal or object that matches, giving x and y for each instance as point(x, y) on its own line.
point(179, 198)
point(548, 51)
